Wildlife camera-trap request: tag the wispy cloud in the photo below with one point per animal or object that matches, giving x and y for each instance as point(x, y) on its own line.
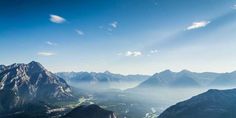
point(153, 51)
point(46, 54)
point(114, 24)
point(196, 25)
point(234, 6)
point(110, 27)
point(133, 53)
point(80, 32)
point(130, 53)
point(57, 19)
point(50, 43)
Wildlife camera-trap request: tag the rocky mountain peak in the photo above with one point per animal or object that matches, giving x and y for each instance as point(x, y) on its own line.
point(31, 82)
point(35, 66)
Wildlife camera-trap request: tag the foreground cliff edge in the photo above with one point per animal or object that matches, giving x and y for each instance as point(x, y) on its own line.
point(211, 104)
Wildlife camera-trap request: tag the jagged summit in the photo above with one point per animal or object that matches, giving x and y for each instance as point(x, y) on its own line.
point(32, 66)
point(21, 83)
point(35, 65)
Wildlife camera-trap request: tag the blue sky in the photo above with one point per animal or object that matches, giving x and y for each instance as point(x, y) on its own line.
point(122, 36)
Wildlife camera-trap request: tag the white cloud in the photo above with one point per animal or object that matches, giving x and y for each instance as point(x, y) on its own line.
point(50, 43)
point(110, 27)
point(153, 51)
point(46, 54)
point(114, 24)
point(57, 19)
point(133, 53)
point(79, 32)
point(234, 6)
point(196, 25)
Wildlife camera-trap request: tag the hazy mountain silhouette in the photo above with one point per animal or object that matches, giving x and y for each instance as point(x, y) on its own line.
point(225, 79)
point(91, 111)
point(168, 78)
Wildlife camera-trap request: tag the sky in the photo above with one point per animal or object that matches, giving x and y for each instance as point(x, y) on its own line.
point(121, 36)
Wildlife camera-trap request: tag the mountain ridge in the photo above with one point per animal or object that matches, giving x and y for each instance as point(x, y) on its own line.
point(23, 83)
point(168, 78)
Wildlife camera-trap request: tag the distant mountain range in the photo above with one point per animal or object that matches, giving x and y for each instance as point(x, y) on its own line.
point(104, 80)
point(23, 84)
point(90, 111)
point(187, 78)
point(100, 77)
point(29, 90)
point(170, 79)
point(225, 79)
point(165, 78)
point(211, 104)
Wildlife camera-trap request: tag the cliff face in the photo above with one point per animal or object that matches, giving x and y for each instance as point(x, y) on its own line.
point(23, 83)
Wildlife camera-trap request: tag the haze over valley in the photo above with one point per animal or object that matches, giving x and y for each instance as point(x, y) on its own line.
point(31, 85)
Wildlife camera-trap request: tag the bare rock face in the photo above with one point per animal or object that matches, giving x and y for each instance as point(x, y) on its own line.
point(2, 68)
point(23, 83)
point(91, 111)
